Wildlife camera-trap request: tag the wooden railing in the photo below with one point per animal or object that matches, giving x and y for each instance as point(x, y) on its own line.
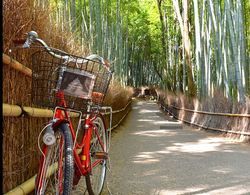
point(16, 65)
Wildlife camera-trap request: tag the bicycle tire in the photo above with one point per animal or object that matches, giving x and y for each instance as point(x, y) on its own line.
point(54, 177)
point(95, 179)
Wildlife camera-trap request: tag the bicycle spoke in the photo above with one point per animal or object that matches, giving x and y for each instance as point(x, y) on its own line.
point(95, 180)
point(52, 175)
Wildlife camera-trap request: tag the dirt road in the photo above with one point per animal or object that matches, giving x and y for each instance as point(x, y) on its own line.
point(154, 154)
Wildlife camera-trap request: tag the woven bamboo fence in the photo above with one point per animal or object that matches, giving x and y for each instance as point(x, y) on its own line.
point(22, 122)
point(209, 116)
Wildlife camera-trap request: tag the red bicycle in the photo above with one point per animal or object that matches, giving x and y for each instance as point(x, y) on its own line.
point(75, 88)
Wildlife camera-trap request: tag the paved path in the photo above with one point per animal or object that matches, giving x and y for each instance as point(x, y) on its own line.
point(154, 154)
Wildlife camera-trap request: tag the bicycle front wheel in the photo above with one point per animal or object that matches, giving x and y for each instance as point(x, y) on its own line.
point(98, 154)
point(56, 168)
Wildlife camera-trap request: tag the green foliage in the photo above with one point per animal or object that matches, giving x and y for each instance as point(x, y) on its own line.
point(130, 34)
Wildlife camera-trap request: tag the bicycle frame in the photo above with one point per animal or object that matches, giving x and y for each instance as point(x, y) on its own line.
point(64, 158)
point(82, 159)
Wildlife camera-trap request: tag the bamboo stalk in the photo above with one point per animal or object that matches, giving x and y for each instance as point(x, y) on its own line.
point(16, 65)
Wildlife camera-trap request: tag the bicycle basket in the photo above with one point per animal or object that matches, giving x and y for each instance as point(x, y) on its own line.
point(81, 79)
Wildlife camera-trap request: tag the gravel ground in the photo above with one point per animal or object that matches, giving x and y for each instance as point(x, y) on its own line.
point(152, 153)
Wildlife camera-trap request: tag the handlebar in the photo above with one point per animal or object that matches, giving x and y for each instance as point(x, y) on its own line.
point(32, 37)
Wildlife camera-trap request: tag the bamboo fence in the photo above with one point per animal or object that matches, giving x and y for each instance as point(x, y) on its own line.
point(211, 120)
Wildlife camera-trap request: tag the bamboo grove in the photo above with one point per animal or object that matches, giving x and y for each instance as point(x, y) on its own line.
point(195, 47)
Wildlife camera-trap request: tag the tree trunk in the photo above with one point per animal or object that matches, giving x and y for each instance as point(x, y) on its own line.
point(163, 31)
point(183, 22)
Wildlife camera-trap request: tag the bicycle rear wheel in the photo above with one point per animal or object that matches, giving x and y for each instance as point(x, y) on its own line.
point(56, 168)
point(98, 153)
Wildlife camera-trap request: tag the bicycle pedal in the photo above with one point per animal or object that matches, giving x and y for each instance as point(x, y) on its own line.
point(100, 155)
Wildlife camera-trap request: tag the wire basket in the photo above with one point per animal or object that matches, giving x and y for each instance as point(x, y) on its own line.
point(82, 80)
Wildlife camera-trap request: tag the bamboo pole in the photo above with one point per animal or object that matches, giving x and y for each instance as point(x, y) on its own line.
point(37, 112)
point(29, 185)
point(24, 188)
point(15, 110)
point(16, 65)
point(11, 110)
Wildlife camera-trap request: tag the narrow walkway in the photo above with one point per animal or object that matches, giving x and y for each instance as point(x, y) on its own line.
point(154, 154)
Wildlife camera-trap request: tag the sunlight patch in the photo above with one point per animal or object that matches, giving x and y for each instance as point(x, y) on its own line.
point(156, 133)
point(237, 189)
point(203, 145)
point(223, 170)
point(145, 158)
point(148, 111)
point(194, 147)
point(163, 152)
point(145, 120)
point(167, 122)
point(146, 161)
point(175, 192)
